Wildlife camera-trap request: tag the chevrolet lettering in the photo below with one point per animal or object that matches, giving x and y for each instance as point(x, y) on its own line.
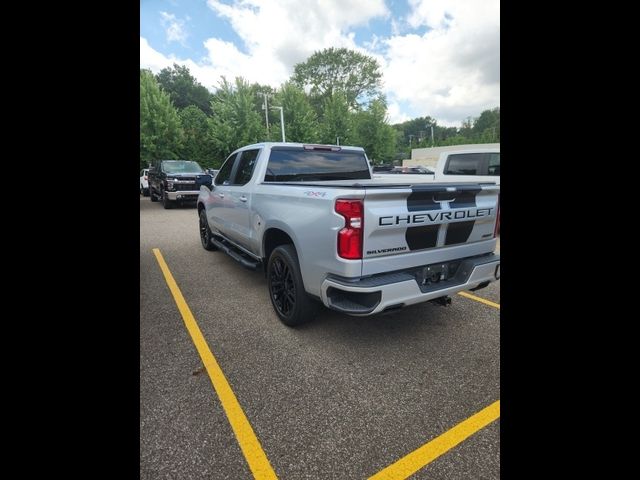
point(434, 217)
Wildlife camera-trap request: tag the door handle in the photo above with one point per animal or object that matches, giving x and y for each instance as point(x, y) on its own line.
point(221, 195)
point(243, 198)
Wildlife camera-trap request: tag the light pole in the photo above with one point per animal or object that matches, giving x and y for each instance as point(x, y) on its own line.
point(265, 107)
point(337, 140)
point(281, 120)
point(432, 144)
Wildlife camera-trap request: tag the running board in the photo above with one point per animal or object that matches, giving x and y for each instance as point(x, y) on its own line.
point(243, 260)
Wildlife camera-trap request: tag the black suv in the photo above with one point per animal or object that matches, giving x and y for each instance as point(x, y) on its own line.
point(176, 180)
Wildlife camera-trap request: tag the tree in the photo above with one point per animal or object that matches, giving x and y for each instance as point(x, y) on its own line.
point(413, 130)
point(300, 120)
point(183, 88)
point(235, 122)
point(339, 70)
point(374, 134)
point(336, 120)
point(486, 128)
point(160, 131)
point(198, 143)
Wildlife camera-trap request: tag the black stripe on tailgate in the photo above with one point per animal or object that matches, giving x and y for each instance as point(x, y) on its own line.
point(421, 200)
point(425, 236)
point(459, 232)
point(465, 199)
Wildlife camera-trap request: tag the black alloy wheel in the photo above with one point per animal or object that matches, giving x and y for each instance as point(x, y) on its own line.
point(205, 232)
point(286, 289)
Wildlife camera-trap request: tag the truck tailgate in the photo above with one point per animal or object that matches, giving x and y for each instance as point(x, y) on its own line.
point(424, 224)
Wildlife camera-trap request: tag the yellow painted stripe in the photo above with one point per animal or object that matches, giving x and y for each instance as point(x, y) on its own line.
point(411, 463)
point(249, 443)
point(481, 300)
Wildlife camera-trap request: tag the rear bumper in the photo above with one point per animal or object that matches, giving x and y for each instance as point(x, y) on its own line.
point(371, 295)
point(183, 195)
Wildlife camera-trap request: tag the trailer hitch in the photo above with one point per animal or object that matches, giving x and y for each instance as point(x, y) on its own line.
point(443, 301)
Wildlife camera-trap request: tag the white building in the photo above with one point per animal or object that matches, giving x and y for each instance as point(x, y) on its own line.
point(428, 157)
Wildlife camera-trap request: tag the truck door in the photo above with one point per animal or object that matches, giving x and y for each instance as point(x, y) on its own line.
point(217, 211)
point(239, 198)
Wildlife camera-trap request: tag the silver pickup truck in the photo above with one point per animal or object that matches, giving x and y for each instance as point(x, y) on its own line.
point(323, 229)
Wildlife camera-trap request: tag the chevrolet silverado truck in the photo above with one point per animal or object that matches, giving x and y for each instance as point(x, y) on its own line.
point(172, 181)
point(324, 230)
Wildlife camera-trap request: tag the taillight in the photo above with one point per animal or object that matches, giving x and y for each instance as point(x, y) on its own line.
point(350, 237)
point(145, 177)
point(496, 230)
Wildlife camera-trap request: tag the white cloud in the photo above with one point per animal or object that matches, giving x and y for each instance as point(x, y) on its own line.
point(277, 34)
point(152, 59)
point(450, 72)
point(453, 70)
point(175, 29)
point(289, 31)
point(395, 115)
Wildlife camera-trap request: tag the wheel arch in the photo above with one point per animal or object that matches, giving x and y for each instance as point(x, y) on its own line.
point(274, 237)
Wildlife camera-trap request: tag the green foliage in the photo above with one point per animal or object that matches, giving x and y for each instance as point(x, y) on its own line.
point(300, 120)
point(198, 141)
point(179, 118)
point(161, 135)
point(374, 134)
point(339, 70)
point(456, 140)
point(413, 132)
point(486, 128)
point(235, 121)
point(336, 121)
point(183, 88)
point(257, 92)
point(416, 133)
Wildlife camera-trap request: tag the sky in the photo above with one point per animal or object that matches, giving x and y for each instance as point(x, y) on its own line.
point(439, 58)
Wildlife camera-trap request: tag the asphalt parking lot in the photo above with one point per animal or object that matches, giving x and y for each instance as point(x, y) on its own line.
point(339, 398)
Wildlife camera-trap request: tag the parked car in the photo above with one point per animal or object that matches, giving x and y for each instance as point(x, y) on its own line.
point(144, 182)
point(417, 170)
point(172, 181)
point(382, 168)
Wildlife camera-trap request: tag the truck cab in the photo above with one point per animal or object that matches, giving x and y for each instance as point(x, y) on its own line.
point(479, 165)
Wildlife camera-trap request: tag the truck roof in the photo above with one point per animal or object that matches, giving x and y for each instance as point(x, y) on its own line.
point(297, 144)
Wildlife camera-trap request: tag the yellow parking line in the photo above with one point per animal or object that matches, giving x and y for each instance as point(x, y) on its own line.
point(411, 463)
point(481, 300)
point(249, 443)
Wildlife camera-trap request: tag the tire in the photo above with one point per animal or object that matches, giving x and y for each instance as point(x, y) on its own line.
point(205, 232)
point(141, 190)
point(145, 192)
point(286, 289)
point(166, 203)
point(153, 195)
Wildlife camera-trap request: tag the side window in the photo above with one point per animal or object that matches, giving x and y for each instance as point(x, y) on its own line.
point(494, 164)
point(225, 172)
point(464, 164)
point(246, 166)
